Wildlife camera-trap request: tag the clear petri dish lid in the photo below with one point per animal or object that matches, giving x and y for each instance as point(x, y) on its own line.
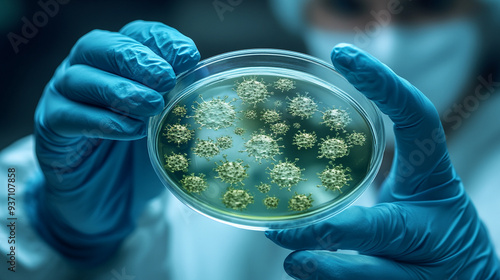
point(266, 139)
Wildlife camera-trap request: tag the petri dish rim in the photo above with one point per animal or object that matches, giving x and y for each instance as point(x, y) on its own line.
point(188, 81)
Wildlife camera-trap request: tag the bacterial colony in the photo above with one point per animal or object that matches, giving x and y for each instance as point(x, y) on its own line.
point(265, 146)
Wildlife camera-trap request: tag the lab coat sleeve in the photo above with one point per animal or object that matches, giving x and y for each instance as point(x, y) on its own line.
point(35, 259)
point(26, 254)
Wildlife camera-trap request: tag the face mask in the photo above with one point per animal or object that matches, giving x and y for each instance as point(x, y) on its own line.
point(438, 59)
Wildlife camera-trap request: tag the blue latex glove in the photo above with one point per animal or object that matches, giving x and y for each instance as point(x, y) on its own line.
point(426, 226)
point(90, 128)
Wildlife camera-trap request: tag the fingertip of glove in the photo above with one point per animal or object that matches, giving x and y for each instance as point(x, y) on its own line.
point(187, 56)
point(190, 52)
point(161, 78)
point(134, 23)
point(345, 58)
point(155, 104)
point(143, 131)
point(177, 49)
point(300, 265)
point(195, 57)
point(360, 68)
point(136, 133)
point(272, 235)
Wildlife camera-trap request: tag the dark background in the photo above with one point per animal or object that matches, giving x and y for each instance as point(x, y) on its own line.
point(250, 24)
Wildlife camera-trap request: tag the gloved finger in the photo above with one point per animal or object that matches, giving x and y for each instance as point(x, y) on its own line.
point(396, 97)
point(121, 55)
point(378, 230)
point(86, 84)
point(420, 140)
point(57, 116)
point(317, 265)
point(177, 49)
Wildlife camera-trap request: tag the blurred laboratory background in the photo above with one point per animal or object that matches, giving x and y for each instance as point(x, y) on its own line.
point(234, 25)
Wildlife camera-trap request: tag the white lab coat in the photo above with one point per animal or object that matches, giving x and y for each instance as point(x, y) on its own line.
point(173, 242)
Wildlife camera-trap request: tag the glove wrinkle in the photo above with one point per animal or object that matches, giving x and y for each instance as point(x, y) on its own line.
point(426, 226)
point(90, 128)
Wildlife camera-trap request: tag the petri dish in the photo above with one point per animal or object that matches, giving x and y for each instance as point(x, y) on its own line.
point(266, 139)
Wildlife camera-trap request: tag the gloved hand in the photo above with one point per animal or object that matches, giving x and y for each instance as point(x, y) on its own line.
point(425, 227)
point(90, 128)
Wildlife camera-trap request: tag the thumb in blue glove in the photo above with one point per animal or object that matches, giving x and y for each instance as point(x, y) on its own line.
point(426, 226)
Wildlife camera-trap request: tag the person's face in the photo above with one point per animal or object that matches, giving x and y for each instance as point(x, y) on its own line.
point(344, 15)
